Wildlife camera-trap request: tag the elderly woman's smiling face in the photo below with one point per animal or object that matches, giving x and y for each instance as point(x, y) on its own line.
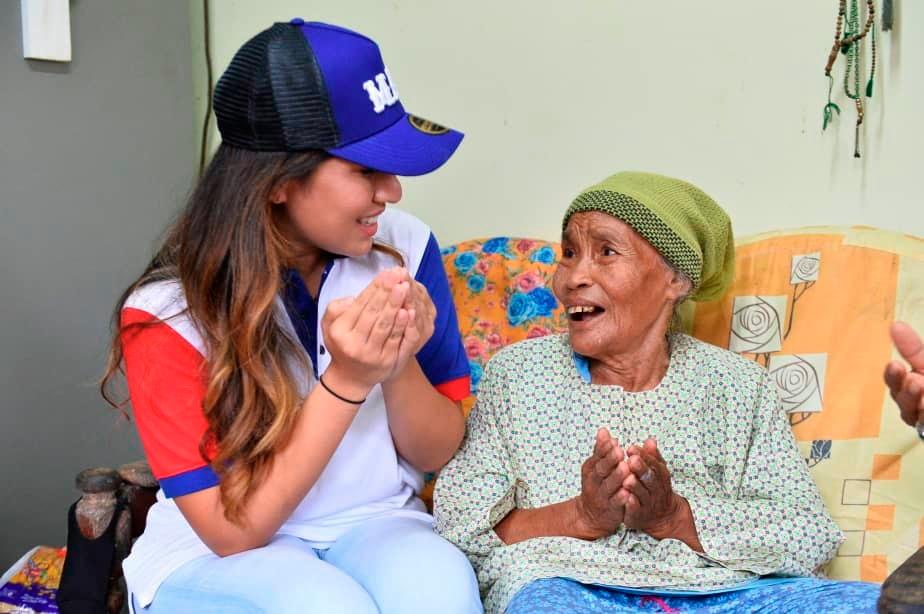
point(618, 291)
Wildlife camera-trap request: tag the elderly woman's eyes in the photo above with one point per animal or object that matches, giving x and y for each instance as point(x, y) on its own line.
point(567, 252)
point(609, 251)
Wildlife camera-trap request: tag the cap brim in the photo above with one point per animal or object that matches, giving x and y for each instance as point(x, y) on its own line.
point(403, 148)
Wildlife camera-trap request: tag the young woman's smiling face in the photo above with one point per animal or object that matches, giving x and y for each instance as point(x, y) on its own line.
point(337, 207)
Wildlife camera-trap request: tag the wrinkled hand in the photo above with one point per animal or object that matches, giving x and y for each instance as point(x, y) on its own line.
point(651, 505)
point(907, 387)
point(602, 476)
point(364, 334)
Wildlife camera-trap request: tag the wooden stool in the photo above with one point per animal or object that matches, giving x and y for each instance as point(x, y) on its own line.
point(132, 489)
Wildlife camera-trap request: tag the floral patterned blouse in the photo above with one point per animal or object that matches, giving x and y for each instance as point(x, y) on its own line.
point(720, 427)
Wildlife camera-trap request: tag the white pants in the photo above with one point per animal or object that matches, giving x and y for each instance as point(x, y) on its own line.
point(389, 565)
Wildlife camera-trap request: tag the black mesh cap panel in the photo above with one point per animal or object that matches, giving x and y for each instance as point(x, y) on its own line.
point(272, 96)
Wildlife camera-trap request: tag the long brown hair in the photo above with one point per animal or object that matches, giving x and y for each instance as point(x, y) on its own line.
point(227, 251)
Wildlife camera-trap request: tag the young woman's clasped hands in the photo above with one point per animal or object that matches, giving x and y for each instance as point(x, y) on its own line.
point(372, 336)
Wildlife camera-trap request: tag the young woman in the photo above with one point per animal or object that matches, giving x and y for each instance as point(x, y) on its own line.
point(292, 352)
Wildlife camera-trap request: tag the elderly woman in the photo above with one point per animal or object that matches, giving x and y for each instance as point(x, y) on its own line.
point(621, 466)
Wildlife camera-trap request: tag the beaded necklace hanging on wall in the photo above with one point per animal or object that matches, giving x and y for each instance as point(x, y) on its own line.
point(850, 46)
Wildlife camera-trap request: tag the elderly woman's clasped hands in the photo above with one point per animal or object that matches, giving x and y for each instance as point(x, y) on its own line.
point(630, 486)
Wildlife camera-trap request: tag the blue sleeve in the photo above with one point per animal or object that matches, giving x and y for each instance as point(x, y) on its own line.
point(443, 357)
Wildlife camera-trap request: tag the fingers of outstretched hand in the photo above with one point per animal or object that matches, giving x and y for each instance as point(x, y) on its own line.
point(913, 386)
point(910, 398)
point(909, 345)
point(894, 376)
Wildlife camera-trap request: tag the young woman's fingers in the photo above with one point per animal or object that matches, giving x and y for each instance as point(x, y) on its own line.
point(372, 310)
point(332, 323)
point(394, 276)
point(427, 300)
point(351, 315)
point(369, 313)
point(421, 297)
point(384, 325)
point(409, 340)
point(391, 348)
point(336, 308)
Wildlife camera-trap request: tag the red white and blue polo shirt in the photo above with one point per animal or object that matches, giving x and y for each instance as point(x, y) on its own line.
point(365, 478)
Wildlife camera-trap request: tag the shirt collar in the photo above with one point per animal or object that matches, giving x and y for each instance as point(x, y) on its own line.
point(582, 365)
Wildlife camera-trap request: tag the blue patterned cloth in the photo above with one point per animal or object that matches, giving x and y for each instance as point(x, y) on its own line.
point(789, 595)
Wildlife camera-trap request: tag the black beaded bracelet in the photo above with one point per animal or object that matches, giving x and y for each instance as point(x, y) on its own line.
point(344, 399)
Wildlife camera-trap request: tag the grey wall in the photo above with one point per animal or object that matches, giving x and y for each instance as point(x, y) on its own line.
point(95, 158)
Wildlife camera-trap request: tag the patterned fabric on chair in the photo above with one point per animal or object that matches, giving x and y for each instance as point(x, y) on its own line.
point(502, 291)
point(814, 306)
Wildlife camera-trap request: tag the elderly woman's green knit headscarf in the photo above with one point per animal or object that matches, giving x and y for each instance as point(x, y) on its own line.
point(678, 219)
